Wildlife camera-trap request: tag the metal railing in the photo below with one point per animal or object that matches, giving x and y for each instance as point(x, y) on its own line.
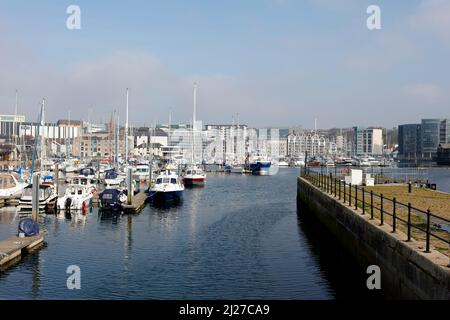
point(425, 225)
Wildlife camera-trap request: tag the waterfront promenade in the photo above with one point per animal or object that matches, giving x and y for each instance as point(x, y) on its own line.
point(413, 266)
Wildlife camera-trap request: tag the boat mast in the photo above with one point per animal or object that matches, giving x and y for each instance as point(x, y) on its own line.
point(168, 135)
point(116, 140)
point(15, 125)
point(90, 134)
point(68, 138)
point(193, 123)
point(42, 135)
point(126, 133)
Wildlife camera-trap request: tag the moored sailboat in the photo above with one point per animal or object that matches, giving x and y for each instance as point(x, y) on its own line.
point(194, 176)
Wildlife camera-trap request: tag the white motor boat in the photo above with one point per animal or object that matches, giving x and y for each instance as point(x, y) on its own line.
point(195, 176)
point(76, 198)
point(47, 198)
point(88, 173)
point(141, 172)
point(11, 185)
point(283, 163)
point(299, 163)
point(364, 162)
point(112, 178)
point(83, 181)
point(261, 164)
point(168, 187)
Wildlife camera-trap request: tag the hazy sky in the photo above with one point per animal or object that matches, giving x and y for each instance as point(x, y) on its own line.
point(275, 62)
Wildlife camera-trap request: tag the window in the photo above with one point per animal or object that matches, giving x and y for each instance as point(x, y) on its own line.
point(158, 181)
point(173, 181)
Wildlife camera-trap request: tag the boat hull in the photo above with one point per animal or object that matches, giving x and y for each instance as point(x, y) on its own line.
point(260, 168)
point(191, 182)
point(48, 205)
point(163, 197)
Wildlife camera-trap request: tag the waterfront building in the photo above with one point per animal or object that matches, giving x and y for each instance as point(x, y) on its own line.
point(59, 130)
point(443, 155)
point(311, 143)
point(419, 143)
point(409, 141)
point(9, 125)
point(367, 141)
point(283, 147)
point(228, 143)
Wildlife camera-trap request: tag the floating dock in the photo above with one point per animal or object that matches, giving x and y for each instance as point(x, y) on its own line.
point(13, 249)
point(138, 203)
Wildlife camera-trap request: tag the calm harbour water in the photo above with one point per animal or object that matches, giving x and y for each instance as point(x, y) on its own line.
point(239, 237)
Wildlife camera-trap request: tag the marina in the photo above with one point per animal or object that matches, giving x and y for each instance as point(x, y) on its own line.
point(235, 238)
point(242, 152)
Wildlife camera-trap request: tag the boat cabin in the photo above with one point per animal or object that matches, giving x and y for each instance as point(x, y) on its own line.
point(45, 191)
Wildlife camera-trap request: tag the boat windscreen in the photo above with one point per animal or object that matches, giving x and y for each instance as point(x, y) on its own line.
point(110, 175)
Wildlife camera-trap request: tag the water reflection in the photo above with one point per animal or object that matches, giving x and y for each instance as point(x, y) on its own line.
point(112, 216)
point(338, 266)
point(167, 216)
point(8, 215)
point(240, 237)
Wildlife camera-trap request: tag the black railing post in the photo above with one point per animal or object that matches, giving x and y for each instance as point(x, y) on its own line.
point(339, 189)
point(331, 183)
point(371, 204)
point(356, 197)
point(350, 194)
point(363, 201)
point(409, 222)
point(335, 186)
point(381, 211)
point(394, 215)
point(428, 231)
point(345, 192)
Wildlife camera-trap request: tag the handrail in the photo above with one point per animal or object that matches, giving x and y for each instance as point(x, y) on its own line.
point(357, 197)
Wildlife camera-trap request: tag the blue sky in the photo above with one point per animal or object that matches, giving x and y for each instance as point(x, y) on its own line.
point(275, 62)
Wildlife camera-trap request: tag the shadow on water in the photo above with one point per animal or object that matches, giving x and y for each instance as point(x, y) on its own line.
point(166, 206)
point(339, 267)
point(109, 215)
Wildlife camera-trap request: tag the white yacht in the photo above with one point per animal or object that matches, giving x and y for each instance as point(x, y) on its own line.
point(76, 198)
point(141, 172)
point(168, 187)
point(194, 176)
point(11, 185)
point(47, 198)
point(112, 178)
